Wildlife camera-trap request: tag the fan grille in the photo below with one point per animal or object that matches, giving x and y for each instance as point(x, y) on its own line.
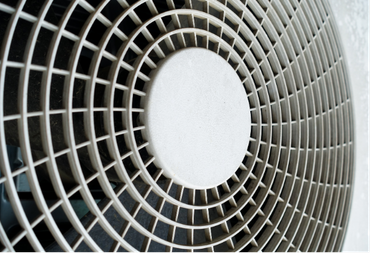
point(72, 77)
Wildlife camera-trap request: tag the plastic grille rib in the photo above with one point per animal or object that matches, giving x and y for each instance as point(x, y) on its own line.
point(72, 77)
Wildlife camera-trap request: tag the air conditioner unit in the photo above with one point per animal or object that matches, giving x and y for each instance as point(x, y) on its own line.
point(154, 125)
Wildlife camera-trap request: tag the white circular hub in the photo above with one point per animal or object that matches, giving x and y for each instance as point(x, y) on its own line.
point(197, 118)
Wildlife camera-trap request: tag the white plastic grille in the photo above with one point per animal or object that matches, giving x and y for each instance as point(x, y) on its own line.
point(71, 84)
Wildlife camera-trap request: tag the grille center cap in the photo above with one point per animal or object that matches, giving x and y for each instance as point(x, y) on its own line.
point(197, 118)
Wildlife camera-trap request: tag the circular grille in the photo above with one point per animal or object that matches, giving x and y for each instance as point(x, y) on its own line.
point(72, 86)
